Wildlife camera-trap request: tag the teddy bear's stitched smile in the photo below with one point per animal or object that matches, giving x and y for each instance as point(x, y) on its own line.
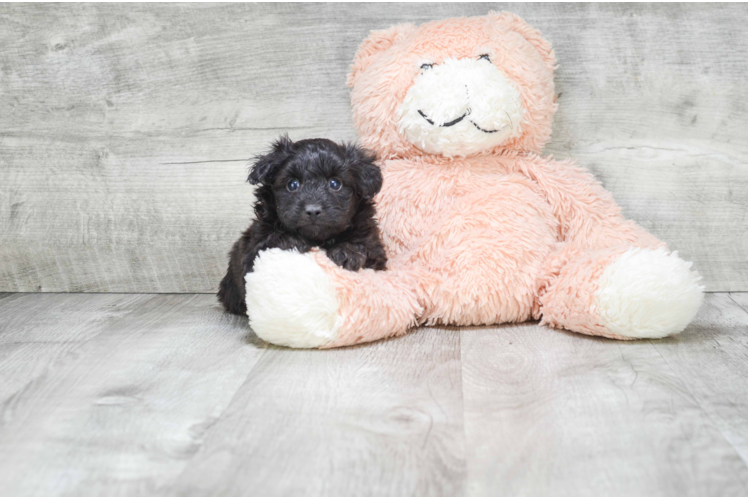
point(458, 120)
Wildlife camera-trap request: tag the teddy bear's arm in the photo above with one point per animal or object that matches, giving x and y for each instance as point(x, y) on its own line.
point(588, 215)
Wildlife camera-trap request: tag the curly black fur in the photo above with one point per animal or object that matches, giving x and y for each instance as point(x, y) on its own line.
point(315, 214)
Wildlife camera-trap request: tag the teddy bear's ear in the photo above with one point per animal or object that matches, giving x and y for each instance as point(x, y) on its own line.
point(377, 42)
point(518, 25)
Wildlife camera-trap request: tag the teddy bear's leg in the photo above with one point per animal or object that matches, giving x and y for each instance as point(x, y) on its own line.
point(622, 293)
point(304, 300)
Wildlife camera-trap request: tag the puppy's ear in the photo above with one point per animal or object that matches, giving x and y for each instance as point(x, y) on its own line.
point(266, 166)
point(365, 171)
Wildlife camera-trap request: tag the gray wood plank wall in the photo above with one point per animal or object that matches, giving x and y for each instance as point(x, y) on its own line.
point(125, 129)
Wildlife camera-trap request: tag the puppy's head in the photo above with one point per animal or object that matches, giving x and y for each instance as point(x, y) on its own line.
point(317, 185)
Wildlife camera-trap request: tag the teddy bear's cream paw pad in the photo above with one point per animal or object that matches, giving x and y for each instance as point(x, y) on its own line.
point(290, 300)
point(648, 294)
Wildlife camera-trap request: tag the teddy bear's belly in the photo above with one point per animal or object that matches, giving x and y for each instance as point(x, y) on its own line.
point(482, 254)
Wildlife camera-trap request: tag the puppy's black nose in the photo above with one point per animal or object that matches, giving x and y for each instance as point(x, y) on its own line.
point(313, 211)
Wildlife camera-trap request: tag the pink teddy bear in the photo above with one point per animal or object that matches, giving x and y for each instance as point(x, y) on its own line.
point(479, 228)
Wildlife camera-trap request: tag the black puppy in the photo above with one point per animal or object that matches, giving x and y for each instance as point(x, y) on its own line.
point(313, 193)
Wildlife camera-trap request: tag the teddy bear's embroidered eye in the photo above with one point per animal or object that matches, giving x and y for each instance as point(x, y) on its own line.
point(426, 65)
point(484, 56)
point(293, 185)
point(335, 184)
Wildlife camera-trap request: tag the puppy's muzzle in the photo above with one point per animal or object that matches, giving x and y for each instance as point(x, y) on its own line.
point(313, 211)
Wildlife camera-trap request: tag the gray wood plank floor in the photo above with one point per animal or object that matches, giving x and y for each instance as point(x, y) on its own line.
point(105, 394)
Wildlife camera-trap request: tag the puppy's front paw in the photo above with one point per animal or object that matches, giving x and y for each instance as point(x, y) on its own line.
point(347, 256)
point(291, 301)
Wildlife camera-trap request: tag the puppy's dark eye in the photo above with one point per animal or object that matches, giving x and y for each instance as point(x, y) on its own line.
point(293, 185)
point(427, 65)
point(484, 56)
point(335, 184)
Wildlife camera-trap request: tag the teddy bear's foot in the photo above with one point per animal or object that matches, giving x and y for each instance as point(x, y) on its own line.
point(648, 294)
point(621, 293)
point(291, 301)
point(305, 300)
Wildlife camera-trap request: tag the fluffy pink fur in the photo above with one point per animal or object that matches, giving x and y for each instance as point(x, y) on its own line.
point(502, 236)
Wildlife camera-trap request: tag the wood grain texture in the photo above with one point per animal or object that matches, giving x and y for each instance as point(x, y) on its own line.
point(125, 129)
point(112, 394)
point(711, 357)
point(37, 334)
point(106, 394)
point(375, 420)
point(557, 413)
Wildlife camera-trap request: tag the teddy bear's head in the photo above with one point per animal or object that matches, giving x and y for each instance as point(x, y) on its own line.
point(459, 87)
